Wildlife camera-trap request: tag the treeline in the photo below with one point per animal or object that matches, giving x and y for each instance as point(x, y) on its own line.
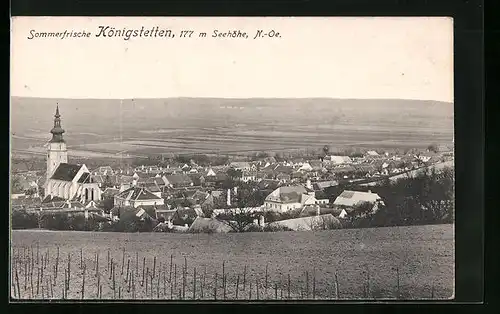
point(77, 222)
point(427, 198)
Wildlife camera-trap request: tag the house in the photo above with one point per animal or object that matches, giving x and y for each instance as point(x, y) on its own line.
point(209, 225)
point(305, 167)
point(165, 212)
point(321, 222)
point(316, 165)
point(287, 198)
point(203, 198)
point(248, 175)
point(321, 198)
point(316, 210)
point(242, 165)
point(177, 181)
point(352, 199)
point(127, 212)
point(372, 153)
point(335, 159)
point(137, 196)
point(198, 179)
point(210, 173)
point(284, 177)
point(187, 215)
point(321, 185)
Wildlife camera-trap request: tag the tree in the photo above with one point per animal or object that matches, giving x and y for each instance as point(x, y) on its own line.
point(234, 173)
point(107, 182)
point(433, 148)
point(326, 149)
point(238, 218)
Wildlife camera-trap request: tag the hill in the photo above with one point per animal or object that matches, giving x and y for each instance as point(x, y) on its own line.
point(145, 126)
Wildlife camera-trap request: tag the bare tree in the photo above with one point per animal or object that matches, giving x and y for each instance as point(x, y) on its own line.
point(238, 218)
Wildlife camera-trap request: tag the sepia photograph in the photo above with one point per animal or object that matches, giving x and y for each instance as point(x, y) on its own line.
point(232, 159)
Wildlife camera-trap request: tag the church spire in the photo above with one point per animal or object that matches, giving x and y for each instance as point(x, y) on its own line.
point(57, 131)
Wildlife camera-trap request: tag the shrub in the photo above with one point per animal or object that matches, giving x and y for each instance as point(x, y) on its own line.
point(275, 228)
point(21, 219)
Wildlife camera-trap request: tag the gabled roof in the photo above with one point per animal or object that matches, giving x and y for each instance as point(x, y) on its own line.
point(138, 193)
point(266, 184)
point(111, 192)
point(201, 224)
point(353, 198)
point(66, 172)
point(179, 179)
point(240, 164)
point(325, 184)
point(287, 194)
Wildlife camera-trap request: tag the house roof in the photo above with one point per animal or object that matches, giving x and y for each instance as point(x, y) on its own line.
point(316, 164)
point(111, 192)
point(178, 179)
point(268, 184)
point(339, 159)
point(152, 187)
point(138, 193)
point(287, 194)
point(325, 184)
point(309, 223)
point(352, 198)
point(201, 224)
point(66, 172)
point(240, 164)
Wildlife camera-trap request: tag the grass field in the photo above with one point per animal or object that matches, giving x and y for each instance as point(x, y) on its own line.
point(384, 263)
point(154, 126)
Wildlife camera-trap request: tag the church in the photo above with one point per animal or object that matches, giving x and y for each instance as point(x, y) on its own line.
point(65, 180)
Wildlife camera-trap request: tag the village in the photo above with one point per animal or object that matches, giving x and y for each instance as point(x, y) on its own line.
point(242, 194)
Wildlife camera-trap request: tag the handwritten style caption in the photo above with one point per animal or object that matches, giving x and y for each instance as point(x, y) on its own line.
point(109, 32)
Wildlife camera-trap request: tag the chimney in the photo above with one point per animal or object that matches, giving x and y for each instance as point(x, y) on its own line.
point(228, 197)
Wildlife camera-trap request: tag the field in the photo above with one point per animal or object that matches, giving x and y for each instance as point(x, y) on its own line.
point(229, 126)
point(382, 263)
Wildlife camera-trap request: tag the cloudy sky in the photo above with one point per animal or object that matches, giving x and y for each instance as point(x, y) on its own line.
point(407, 58)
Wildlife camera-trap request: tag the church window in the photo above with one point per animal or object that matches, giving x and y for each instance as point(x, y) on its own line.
point(92, 194)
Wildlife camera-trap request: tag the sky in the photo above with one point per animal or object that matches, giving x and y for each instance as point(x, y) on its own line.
point(334, 57)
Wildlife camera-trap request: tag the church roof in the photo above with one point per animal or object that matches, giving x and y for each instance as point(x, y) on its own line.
point(66, 172)
point(85, 178)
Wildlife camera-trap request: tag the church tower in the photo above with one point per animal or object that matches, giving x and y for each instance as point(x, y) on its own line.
point(57, 152)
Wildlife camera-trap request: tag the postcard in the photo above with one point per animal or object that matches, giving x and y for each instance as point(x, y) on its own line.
point(232, 158)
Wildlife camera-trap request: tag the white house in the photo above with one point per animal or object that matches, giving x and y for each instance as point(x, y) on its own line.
point(287, 198)
point(354, 198)
point(137, 196)
point(305, 167)
point(337, 160)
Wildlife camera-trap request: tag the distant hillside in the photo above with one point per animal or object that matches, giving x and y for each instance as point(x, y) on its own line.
point(97, 120)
